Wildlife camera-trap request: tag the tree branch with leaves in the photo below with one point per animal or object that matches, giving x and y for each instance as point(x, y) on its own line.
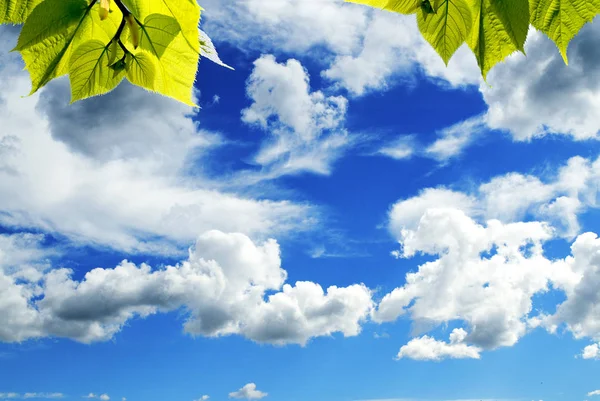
point(154, 44)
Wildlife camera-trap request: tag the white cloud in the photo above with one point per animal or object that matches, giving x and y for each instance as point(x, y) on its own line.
point(544, 95)
point(453, 140)
point(428, 349)
point(366, 50)
point(101, 397)
point(591, 352)
point(289, 25)
point(512, 197)
point(489, 264)
point(595, 392)
point(222, 286)
point(400, 149)
point(111, 171)
point(306, 128)
point(248, 392)
point(581, 310)
point(491, 294)
point(203, 398)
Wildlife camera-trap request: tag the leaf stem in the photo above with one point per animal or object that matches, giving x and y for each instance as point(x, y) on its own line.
point(122, 7)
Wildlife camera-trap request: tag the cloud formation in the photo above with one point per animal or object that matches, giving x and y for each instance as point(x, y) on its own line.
point(113, 170)
point(248, 392)
point(222, 286)
point(305, 128)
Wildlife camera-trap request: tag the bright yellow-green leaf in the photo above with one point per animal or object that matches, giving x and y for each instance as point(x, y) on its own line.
point(447, 27)
point(141, 70)
point(89, 71)
point(399, 6)
point(51, 32)
point(16, 11)
point(561, 20)
point(176, 63)
point(499, 29)
point(185, 12)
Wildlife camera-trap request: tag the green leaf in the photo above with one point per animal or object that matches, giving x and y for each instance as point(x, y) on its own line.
point(89, 71)
point(499, 29)
point(399, 6)
point(16, 11)
point(176, 63)
point(561, 20)
point(141, 70)
point(446, 27)
point(53, 30)
point(185, 12)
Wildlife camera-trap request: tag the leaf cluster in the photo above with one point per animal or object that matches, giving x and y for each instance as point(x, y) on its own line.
point(155, 44)
point(493, 29)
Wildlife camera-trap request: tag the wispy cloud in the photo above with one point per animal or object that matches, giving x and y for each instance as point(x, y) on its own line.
point(25, 396)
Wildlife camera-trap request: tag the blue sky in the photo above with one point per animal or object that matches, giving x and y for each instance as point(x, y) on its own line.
point(344, 219)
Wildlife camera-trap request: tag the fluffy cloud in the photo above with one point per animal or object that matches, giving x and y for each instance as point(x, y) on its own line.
point(306, 127)
point(489, 265)
point(492, 294)
point(545, 96)
point(111, 171)
point(203, 398)
point(290, 25)
point(222, 286)
point(595, 392)
point(581, 310)
point(591, 352)
point(511, 197)
point(372, 50)
point(428, 349)
point(248, 392)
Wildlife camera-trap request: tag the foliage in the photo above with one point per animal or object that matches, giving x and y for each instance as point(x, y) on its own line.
point(155, 44)
point(493, 29)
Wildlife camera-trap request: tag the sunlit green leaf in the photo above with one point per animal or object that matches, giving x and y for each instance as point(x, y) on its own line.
point(499, 29)
point(561, 20)
point(89, 71)
point(446, 26)
point(16, 11)
point(185, 12)
point(52, 31)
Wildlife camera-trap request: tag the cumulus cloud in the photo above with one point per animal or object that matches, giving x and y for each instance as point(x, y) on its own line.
point(372, 50)
point(595, 392)
point(111, 171)
point(558, 199)
point(203, 398)
point(581, 310)
point(248, 392)
point(492, 294)
point(489, 264)
point(222, 286)
point(428, 349)
point(306, 128)
point(591, 352)
point(545, 96)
